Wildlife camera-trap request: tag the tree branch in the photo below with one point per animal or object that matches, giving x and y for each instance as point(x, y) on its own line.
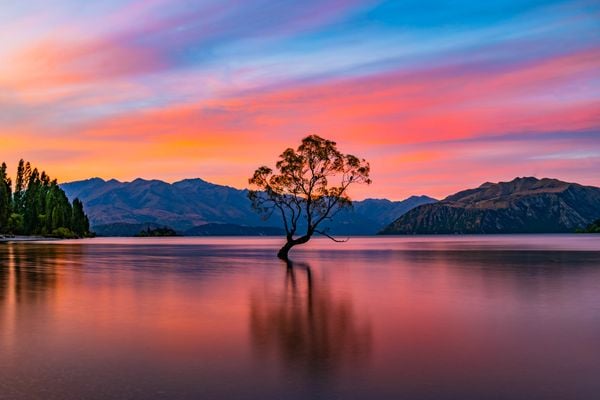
point(331, 237)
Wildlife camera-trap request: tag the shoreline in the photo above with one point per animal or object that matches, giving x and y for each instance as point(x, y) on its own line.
point(6, 239)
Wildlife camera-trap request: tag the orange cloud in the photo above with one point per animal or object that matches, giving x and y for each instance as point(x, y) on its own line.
point(223, 139)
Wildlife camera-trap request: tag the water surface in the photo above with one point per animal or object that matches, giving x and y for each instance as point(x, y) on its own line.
point(469, 317)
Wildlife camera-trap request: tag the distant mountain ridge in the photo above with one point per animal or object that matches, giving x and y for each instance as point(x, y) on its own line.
point(523, 205)
point(115, 206)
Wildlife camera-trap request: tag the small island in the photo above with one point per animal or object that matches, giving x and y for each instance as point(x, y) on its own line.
point(157, 232)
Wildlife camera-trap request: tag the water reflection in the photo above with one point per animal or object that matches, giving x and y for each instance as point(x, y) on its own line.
point(308, 328)
point(29, 276)
point(194, 318)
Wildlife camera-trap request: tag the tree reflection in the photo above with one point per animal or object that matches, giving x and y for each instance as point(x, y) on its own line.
point(307, 327)
point(27, 271)
point(4, 272)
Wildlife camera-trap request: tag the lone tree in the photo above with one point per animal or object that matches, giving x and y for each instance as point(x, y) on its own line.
point(308, 188)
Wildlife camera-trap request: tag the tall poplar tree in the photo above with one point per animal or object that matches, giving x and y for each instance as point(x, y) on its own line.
point(5, 198)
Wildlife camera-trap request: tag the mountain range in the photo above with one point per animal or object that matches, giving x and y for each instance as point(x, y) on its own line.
point(523, 205)
point(196, 207)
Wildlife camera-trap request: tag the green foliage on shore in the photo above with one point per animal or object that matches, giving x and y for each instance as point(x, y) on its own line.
point(594, 227)
point(38, 206)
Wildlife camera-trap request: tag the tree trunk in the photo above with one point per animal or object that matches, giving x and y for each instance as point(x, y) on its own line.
point(284, 251)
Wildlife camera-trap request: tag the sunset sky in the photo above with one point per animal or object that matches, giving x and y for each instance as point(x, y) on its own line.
point(437, 95)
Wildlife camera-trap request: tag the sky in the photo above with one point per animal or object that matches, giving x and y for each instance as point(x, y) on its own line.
point(437, 95)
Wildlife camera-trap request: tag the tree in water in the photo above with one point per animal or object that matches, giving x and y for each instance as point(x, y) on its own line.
point(308, 189)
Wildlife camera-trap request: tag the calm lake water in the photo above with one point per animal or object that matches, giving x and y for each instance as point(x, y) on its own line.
point(469, 317)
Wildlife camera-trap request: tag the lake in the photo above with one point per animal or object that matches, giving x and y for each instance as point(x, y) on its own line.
point(448, 317)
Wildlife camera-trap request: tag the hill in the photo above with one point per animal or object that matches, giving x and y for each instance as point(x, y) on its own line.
point(594, 227)
point(523, 205)
point(233, 230)
point(119, 208)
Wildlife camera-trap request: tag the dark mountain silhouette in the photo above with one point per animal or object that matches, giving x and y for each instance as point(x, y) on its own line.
point(233, 230)
point(123, 228)
point(523, 205)
point(118, 208)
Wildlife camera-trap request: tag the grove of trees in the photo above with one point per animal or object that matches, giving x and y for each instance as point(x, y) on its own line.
point(38, 206)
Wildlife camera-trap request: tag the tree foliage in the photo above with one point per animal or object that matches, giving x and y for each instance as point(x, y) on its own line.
point(5, 196)
point(594, 227)
point(38, 206)
point(308, 188)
